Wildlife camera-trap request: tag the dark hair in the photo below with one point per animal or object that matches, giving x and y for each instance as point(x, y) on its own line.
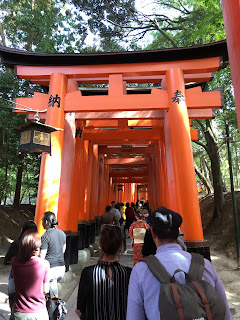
point(108, 208)
point(110, 239)
point(113, 202)
point(29, 224)
point(139, 214)
point(51, 218)
point(132, 204)
point(165, 234)
point(117, 206)
point(127, 204)
point(122, 203)
point(145, 205)
point(29, 242)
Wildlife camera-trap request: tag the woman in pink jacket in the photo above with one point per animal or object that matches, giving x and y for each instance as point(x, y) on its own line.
point(30, 275)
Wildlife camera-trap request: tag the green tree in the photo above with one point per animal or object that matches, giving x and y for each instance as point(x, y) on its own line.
point(100, 13)
point(9, 87)
point(213, 138)
point(42, 25)
point(172, 23)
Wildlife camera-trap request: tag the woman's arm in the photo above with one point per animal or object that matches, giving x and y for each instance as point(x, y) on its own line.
point(83, 290)
point(43, 253)
point(45, 287)
point(46, 277)
point(78, 312)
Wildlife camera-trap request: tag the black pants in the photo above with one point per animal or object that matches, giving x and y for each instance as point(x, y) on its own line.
point(11, 297)
point(128, 223)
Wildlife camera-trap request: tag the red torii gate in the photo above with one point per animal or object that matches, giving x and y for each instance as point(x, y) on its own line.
point(77, 180)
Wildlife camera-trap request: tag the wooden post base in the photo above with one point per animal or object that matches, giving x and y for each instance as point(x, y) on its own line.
point(201, 247)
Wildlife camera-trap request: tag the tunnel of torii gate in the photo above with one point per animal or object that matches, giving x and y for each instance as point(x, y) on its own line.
point(120, 141)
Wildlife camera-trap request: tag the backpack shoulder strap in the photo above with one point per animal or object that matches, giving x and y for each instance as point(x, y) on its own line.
point(157, 269)
point(197, 267)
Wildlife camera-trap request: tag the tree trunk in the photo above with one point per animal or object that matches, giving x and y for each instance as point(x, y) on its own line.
point(28, 183)
point(216, 175)
point(207, 168)
point(2, 34)
point(204, 180)
point(16, 201)
point(4, 188)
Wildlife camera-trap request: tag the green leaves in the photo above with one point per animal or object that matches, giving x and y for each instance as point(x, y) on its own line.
point(45, 26)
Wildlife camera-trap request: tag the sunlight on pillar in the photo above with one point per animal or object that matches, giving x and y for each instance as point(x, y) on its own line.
point(133, 192)
point(85, 201)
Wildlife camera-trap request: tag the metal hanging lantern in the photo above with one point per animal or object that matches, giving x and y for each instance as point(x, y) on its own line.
point(35, 137)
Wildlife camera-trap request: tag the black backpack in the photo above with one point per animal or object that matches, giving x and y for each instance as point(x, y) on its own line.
point(194, 300)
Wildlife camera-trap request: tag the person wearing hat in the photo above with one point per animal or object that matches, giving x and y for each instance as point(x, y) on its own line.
point(144, 288)
point(149, 246)
point(137, 232)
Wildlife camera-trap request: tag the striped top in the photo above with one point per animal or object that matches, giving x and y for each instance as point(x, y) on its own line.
point(101, 297)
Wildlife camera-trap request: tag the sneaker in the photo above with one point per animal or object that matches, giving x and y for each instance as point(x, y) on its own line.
point(125, 252)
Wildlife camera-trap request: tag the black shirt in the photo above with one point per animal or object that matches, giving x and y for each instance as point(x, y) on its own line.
point(101, 297)
point(149, 246)
point(12, 251)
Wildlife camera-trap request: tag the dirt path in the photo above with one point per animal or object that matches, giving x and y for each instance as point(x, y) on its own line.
point(230, 276)
point(226, 268)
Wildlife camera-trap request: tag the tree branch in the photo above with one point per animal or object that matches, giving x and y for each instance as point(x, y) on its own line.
point(201, 125)
point(203, 179)
point(201, 144)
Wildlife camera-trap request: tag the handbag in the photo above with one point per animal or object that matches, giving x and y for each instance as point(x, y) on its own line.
point(11, 284)
point(56, 307)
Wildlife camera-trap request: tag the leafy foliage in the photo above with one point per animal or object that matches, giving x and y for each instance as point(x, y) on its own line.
point(99, 13)
point(10, 87)
point(172, 23)
point(44, 26)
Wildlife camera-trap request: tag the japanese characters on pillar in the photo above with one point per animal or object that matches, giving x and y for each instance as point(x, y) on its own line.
point(50, 172)
point(64, 214)
point(182, 156)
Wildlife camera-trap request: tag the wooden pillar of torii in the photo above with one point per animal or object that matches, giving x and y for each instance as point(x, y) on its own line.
point(170, 168)
point(231, 15)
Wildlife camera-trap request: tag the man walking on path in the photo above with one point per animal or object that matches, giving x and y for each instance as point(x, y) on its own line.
point(108, 217)
point(144, 288)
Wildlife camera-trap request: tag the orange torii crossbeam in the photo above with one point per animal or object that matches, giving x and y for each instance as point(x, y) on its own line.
point(158, 119)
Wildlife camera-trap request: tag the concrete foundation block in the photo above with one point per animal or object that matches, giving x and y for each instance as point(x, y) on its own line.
point(3, 298)
point(68, 277)
point(84, 255)
point(95, 246)
point(91, 250)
